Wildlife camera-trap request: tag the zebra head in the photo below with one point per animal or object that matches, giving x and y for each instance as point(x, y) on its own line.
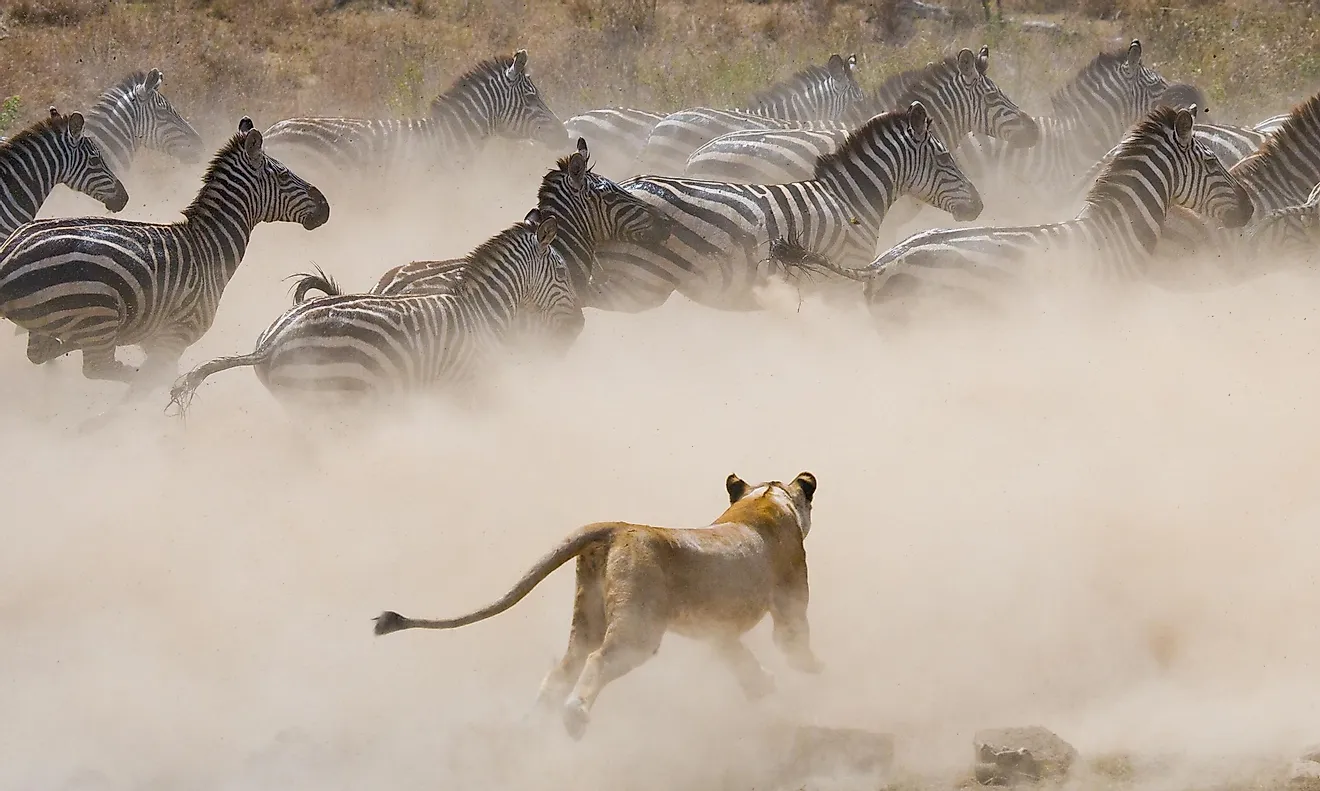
point(157, 124)
point(83, 167)
point(279, 194)
point(1199, 181)
point(518, 111)
point(1181, 95)
point(992, 112)
point(932, 174)
point(1112, 92)
point(815, 93)
point(554, 314)
point(591, 209)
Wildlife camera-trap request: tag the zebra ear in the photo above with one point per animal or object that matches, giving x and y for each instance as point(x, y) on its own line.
point(736, 487)
point(983, 59)
point(245, 125)
point(919, 121)
point(75, 124)
point(545, 232)
point(577, 168)
point(519, 64)
point(582, 147)
point(1182, 126)
point(53, 112)
point(967, 64)
point(1134, 54)
point(153, 79)
point(852, 62)
point(252, 146)
point(533, 218)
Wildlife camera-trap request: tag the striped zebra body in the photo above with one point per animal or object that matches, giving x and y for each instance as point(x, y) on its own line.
point(589, 209)
point(52, 151)
point(352, 349)
point(93, 285)
point(957, 91)
point(495, 98)
point(1160, 164)
point(1092, 112)
point(1271, 124)
point(716, 252)
point(133, 114)
point(616, 133)
point(815, 94)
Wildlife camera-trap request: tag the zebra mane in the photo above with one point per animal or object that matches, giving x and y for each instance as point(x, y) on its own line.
point(1107, 186)
point(478, 74)
point(859, 140)
point(1299, 133)
point(493, 250)
point(225, 153)
point(795, 84)
point(110, 96)
point(35, 130)
point(1065, 98)
point(894, 86)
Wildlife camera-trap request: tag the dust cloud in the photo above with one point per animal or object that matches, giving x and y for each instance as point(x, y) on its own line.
point(1096, 517)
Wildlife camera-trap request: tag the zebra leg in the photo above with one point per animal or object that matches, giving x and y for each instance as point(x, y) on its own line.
point(161, 367)
point(99, 363)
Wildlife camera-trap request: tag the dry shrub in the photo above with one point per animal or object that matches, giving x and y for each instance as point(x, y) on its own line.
point(60, 13)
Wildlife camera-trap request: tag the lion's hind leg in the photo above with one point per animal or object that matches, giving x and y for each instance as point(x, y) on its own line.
point(588, 631)
point(755, 680)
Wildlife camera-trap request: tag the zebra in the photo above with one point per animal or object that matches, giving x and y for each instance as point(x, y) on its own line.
point(814, 94)
point(94, 285)
point(715, 253)
point(589, 209)
point(132, 114)
point(959, 94)
point(52, 151)
point(349, 350)
point(1161, 163)
point(497, 97)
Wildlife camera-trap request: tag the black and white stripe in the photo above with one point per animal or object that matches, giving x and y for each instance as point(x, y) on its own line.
point(52, 151)
point(133, 114)
point(495, 98)
point(959, 94)
point(815, 94)
point(1161, 163)
point(337, 350)
point(1290, 233)
point(716, 252)
point(94, 284)
point(616, 134)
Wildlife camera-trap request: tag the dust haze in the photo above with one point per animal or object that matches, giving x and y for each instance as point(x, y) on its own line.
point(1095, 516)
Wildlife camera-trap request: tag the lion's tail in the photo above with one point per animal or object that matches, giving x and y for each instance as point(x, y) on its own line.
point(571, 547)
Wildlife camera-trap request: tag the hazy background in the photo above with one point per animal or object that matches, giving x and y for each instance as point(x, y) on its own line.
point(1098, 515)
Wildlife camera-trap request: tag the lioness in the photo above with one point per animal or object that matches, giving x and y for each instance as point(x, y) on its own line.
point(635, 582)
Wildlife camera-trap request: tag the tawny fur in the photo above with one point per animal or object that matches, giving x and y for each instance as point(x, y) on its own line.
point(637, 582)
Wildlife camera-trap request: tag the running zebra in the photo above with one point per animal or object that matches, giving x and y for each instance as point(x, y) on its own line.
point(52, 151)
point(589, 209)
point(495, 98)
point(94, 285)
point(1160, 163)
point(349, 350)
point(133, 114)
point(1290, 233)
point(959, 94)
point(817, 93)
point(716, 252)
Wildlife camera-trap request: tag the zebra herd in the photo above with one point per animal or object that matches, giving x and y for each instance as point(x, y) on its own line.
point(805, 182)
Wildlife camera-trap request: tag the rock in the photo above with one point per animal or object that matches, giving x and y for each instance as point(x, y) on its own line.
point(818, 750)
point(1008, 755)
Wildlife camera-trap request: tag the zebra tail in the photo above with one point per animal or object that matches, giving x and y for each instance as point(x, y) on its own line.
point(318, 281)
point(181, 394)
point(792, 255)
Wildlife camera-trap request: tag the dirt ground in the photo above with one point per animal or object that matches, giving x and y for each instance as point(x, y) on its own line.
point(1098, 515)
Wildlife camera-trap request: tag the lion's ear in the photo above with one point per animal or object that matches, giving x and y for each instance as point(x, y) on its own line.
point(807, 483)
point(736, 487)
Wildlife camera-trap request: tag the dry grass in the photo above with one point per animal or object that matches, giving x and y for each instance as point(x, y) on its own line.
point(284, 57)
